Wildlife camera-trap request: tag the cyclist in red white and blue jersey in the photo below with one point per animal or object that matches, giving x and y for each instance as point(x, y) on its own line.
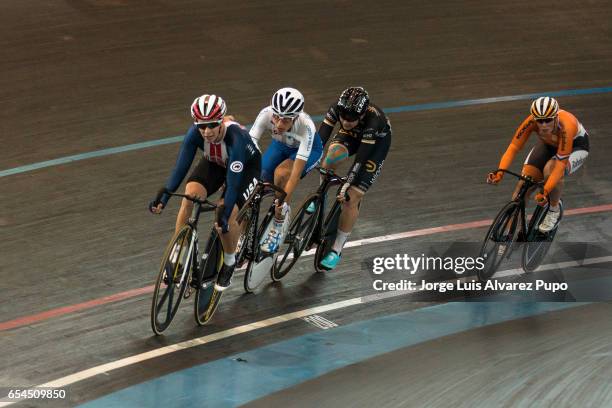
point(230, 158)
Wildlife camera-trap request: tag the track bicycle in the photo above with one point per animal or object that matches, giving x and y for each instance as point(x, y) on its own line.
point(309, 228)
point(511, 226)
point(182, 270)
point(176, 278)
point(258, 263)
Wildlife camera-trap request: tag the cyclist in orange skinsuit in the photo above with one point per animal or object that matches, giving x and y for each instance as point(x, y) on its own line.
point(562, 147)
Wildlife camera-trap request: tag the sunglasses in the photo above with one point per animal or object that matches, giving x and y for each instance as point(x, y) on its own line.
point(348, 115)
point(282, 118)
point(548, 120)
point(210, 125)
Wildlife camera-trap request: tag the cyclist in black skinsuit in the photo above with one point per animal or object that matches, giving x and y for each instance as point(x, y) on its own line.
point(364, 131)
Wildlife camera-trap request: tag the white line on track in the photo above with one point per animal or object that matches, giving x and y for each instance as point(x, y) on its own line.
point(125, 362)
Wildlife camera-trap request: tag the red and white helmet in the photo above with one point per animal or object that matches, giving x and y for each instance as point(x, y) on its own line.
point(208, 108)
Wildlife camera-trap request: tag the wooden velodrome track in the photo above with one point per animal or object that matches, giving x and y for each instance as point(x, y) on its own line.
point(80, 76)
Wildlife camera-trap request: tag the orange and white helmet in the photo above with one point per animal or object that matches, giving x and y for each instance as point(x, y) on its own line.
point(544, 107)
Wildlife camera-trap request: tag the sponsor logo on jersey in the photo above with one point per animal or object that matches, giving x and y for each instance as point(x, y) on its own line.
point(236, 166)
point(370, 166)
point(522, 130)
point(572, 165)
point(378, 171)
point(247, 192)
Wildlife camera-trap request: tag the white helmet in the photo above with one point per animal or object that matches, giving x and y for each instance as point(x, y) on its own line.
point(287, 102)
point(544, 108)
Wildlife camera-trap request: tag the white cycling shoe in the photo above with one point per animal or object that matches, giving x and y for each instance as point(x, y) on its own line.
point(550, 221)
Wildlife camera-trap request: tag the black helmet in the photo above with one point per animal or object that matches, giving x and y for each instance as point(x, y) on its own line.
point(353, 102)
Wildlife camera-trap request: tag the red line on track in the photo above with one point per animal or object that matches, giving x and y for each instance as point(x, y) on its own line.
point(23, 321)
point(26, 320)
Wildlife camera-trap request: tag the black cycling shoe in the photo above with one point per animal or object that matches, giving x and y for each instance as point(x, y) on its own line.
point(225, 277)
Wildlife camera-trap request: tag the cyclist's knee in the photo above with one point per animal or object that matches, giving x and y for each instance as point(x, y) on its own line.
point(533, 172)
point(282, 173)
point(335, 154)
point(549, 167)
point(195, 189)
point(355, 196)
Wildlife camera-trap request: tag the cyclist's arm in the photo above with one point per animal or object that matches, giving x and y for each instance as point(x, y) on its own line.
point(328, 124)
point(569, 129)
point(235, 172)
point(370, 138)
point(518, 141)
point(294, 178)
point(190, 145)
point(307, 141)
point(259, 127)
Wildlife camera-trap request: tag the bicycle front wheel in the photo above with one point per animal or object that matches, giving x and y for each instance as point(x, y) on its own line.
point(499, 239)
point(297, 238)
point(207, 297)
point(538, 243)
point(173, 278)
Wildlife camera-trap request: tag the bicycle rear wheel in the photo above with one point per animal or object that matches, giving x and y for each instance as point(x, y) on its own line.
point(207, 297)
point(299, 234)
point(330, 230)
point(499, 239)
point(538, 243)
point(172, 279)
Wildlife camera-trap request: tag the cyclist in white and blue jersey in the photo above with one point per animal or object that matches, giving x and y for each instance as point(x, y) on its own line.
point(295, 150)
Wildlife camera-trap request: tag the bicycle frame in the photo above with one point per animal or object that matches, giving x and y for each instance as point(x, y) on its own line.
point(260, 190)
point(330, 178)
point(528, 184)
point(193, 253)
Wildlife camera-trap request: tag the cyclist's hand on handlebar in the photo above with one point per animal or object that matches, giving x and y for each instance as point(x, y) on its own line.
point(343, 194)
point(157, 205)
point(541, 199)
point(495, 177)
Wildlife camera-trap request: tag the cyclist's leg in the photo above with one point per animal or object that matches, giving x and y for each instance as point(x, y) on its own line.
point(574, 162)
point(316, 154)
point(336, 154)
point(341, 147)
point(348, 217)
point(270, 160)
point(229, 240)
point(350, 209)
point(284, 171)
point(555, 195)
point(205, 179)
point(534, 166)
